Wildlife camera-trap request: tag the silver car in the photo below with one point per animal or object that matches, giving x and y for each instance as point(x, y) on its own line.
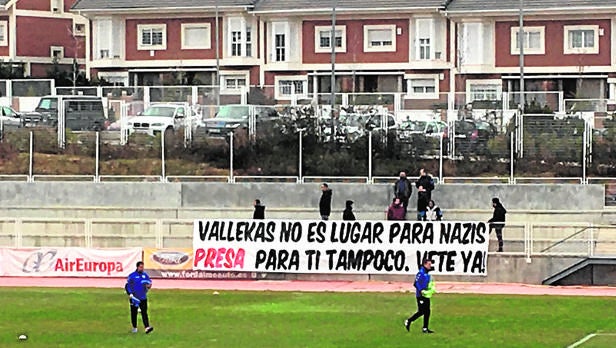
point(9, 118)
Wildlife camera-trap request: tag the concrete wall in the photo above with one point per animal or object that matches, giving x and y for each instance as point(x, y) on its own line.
point(276, 195)
point(85, 194)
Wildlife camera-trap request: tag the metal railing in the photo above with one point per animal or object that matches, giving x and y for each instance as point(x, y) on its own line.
point(300, 180)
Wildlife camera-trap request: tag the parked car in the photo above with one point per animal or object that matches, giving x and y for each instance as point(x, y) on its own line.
point(79, 112)
point(427, 128)
point(160, 117)
point(472, 136)
point(9, 118)
point(422, 137)
point(231, 118)
point(375, 122)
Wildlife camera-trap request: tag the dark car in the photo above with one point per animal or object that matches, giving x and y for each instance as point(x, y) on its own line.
point(230, 118)
point(79, 112)
point(472, 136)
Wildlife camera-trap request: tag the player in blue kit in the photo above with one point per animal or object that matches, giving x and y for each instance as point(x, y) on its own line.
point(137, 286)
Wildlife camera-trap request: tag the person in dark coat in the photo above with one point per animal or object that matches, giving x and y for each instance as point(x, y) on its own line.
point(396, 211)
point(259, 213)
point(325, 204)
point(422, 203)
point(497, 222)
point(347, 214)
point(425, 185)
point(403, 190)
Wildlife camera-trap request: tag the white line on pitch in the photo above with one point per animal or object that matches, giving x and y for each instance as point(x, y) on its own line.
point(584, 339)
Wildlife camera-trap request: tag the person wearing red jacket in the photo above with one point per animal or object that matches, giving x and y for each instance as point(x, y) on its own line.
point(396, 210)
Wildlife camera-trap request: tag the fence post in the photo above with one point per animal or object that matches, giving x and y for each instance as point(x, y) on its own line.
point(96, 178)
point(159, 234)
point(194, 95)
point(146, 97)
point(31, 163)
point(231, 157)
point(370, 156)
point(9, 89)
point(18, 233)
point(591, 241)
point(584, 141)
point(528, 228)
point(511, 159)
point(61, 124)
point(440, 160)
point(163, 177)
point(301, 149)
point(87, 224)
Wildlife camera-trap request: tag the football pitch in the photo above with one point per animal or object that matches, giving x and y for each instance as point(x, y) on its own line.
point(199, 318)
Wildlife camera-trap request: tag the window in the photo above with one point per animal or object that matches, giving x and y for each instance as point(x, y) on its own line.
point(57, 52)
point(474, 42)
point(239, 37)
point(483, 90)
point(248, 41)
point(280, 32)
point(116, 78)
point(581, 39)
point(79, 29)
point(152, 37)
point(233, 81)
point(196, 36)
point(102, 37)
point(288, 87)
point(323, 36)
point(4, 41)
point(57, 6)
point(534, 40)
point(379, 38)
point(422, 86)
point(424, 30)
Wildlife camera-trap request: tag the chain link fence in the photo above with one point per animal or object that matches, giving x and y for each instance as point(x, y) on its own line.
point(291, 132)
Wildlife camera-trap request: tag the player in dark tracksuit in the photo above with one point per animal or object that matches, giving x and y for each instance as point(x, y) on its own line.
point(425, 288)
point(137, 286)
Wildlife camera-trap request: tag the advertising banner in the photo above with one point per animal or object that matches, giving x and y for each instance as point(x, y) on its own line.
point(177, 263)
point(68, 262)
point(167, 259)
point(348, 247)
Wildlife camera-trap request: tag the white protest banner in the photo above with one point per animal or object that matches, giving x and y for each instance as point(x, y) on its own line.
point(69, 262)
point(360, 247)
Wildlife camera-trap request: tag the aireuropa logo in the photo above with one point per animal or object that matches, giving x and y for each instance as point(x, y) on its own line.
point(40, 261)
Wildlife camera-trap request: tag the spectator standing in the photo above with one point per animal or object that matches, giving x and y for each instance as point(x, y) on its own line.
point(497, 222)
point(325, 204)
point(259, 213)
point(348, 215)
point(403, 190)
point(396, 210)
point(425, 185)
point(433, 212)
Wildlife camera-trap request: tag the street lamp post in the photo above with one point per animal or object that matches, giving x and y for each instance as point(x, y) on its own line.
point(332, 42)
point(217, 61)
point(521, 44)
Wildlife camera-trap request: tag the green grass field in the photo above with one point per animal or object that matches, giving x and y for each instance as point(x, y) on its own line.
point(99, 318)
